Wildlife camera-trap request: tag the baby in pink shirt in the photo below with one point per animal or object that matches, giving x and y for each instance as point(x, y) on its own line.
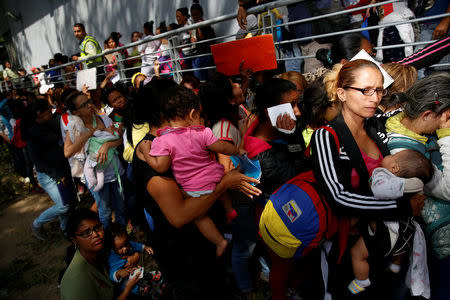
point(186, 147)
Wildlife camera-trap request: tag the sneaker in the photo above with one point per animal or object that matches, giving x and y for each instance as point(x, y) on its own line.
point(38, 232)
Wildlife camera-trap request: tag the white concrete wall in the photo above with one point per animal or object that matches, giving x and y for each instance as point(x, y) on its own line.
point(46, 26)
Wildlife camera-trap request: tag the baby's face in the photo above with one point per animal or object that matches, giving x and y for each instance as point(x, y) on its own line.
point(389, 163)
point(121, 245)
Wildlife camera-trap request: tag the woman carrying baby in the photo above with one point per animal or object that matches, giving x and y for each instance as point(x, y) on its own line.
point(98, 140)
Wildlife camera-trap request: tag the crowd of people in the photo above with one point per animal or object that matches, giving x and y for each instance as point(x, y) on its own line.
point(353, 197)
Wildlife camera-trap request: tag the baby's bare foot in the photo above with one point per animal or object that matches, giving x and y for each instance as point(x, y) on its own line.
point(220, 248)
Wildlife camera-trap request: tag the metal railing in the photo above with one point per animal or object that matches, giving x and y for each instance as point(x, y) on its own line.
point(269, 26)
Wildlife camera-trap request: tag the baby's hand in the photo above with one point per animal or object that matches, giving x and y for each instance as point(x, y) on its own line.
point(242, 151)
point(132, 260)
point(149, 250)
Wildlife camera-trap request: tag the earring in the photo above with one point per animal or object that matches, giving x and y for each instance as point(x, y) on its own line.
point(424, 119)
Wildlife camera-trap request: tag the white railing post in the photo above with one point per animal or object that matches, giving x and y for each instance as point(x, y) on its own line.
point(175, 58)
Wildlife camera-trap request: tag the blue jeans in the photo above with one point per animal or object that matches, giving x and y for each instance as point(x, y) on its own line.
point(110, 198)
point(244, 241)
point(426, 34)
point(201, 62)
point(59, 210)
point(293, 65)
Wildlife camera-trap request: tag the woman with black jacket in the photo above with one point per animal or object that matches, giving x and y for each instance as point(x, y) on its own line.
point(42, 133)
point(343, 171)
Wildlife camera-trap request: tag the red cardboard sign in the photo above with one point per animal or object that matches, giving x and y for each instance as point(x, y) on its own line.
point(257, 52)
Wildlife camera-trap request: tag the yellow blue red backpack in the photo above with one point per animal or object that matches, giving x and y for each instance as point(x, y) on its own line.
point(297, 218)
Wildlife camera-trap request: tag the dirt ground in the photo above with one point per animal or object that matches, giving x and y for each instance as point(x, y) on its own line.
point(29, 268)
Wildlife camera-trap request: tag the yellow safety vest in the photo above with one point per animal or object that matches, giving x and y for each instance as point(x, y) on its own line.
point(94, 62)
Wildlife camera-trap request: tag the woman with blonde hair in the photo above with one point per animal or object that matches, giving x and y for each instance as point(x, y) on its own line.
point(404, 77)
point(342, 169)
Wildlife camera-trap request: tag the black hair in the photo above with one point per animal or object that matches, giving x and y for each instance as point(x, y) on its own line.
point(179, 101)
point(146, 107)
point(76, 217)
point(344, 48)
point(195, 5)
point(35, 105)
point(215, 95)
point(314, 104)
point(115, 230)
point(414, 164)
point(65, 95)
point(191, 79)
point(270, 93)
point(429, 93)
point(119, 87)
point(148, 26)
point(70, 101)
point(116, 35)
point(324, 56)
point(81, 25)
point(184, 11)
point(162, 27)
point(114, 38)
point(173, 26)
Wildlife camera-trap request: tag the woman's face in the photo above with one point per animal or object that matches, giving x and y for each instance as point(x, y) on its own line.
point(354, 101)
point(111, 44)
point(432, 121)
point(181, 20)
point(238, 95)
point(135, 37)
point(292, 98)
point(83, 106)
point(89, 236)
point(196, 15)
point(116, 100)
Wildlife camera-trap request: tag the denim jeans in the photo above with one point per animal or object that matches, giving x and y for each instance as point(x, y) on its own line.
point(426, 34)
point(111, 199)
point(201, 62)
point(59, 210)
point(293, 65)
point(244, 241)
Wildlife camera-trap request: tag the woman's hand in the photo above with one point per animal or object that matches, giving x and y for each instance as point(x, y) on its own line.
point(285, 122)
point(132, 281)
point(417, 203)
point(102, 154)
point(237, 181)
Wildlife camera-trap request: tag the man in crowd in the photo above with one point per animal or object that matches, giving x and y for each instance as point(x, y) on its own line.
point(88, 45)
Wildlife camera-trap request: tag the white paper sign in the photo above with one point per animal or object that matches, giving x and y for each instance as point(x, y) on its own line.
point(278, 110)
point(115, 78)
point(364, 55)
point(87, 77)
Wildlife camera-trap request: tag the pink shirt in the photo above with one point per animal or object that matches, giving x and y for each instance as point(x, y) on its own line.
point(192, 165)
point(371, 164)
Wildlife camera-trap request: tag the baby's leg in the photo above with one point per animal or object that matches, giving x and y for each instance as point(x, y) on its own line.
point(396, 263)
point(90, 174)
point(209, 230)
point(359, 255)
point(227, 204)
point(100, 180)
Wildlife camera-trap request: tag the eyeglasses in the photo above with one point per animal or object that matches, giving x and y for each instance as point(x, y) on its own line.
point(88, 232)
point(86, 103)
point(369, 91)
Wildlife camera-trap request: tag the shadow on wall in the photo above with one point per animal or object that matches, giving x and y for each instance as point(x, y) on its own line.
point(46, 26)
